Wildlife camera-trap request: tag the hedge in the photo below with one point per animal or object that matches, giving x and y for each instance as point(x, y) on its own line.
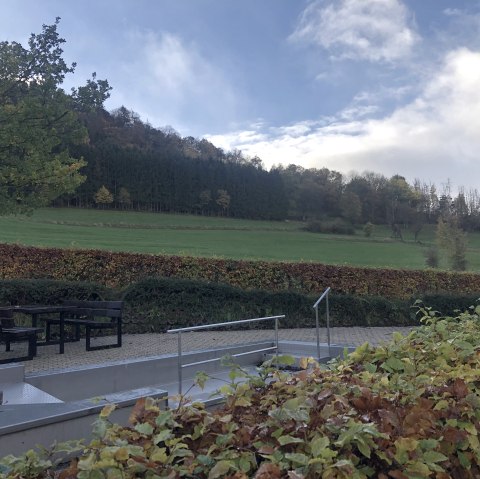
point(118, 270)
point(158, 304)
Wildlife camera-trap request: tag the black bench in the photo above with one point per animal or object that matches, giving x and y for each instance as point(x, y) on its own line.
point(93, 316)
point(9, 333)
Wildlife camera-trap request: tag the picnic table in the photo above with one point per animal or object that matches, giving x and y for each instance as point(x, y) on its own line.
point(91, 315)
point(37, 312)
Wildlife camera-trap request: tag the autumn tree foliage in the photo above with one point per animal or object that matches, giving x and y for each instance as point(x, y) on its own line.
point(39, 122)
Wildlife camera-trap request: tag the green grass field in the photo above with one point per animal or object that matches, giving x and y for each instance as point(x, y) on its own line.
point(217, 237)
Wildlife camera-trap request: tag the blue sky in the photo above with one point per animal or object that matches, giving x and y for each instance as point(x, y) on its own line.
point(391, 86)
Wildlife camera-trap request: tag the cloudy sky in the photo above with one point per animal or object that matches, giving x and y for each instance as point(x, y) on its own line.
point(391, 86)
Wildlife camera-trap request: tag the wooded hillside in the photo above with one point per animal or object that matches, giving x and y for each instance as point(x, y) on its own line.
point(131, 165)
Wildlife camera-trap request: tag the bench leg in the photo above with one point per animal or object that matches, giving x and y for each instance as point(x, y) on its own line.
point(119, 333)
point(88, 336)
point(77, 332)
point(32, 346)
point(7, 345)
point(48, 332)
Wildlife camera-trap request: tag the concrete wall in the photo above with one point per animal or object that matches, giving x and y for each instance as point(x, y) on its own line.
point(92, 381)
point(23, 427)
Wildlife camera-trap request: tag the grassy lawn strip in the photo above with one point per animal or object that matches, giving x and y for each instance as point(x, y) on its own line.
point(217, 237)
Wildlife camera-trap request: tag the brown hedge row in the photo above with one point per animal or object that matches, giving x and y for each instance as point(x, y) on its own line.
point(118, 270)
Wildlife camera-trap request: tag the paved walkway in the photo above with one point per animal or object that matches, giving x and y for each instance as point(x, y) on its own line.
point(137, 346)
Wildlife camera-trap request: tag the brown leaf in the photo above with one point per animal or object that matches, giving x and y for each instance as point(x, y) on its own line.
point(460, 389)
point(266, 449)
point(324, 394)
point(137, 412)
point(268, 471)
point(454, 435)
point(70, 472)
point(396, 474)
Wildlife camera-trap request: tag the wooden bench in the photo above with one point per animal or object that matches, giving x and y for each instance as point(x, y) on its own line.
point(93, 316)
point(9, 333)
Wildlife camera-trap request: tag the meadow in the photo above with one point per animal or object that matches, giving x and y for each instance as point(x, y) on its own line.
point(218, 237)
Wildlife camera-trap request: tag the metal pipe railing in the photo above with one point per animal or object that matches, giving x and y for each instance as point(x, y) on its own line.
point(179, 331)
point(315, 307)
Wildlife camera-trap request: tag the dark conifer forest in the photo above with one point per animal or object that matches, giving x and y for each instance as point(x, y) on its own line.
point(133, 166)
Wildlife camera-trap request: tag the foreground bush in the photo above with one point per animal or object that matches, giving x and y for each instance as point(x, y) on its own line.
point(410, 409)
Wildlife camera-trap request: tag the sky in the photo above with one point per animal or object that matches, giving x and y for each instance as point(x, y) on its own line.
point(390, 86)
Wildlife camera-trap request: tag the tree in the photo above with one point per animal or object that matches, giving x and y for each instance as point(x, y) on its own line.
point(123, 197)
point(351, 207)
point(205, 198)
point(103, 196)
point(452, 239)
point(39, 122)
point(223, 199)
point(368, 229)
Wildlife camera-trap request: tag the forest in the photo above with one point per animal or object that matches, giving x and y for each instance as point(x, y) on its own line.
point(133, 166)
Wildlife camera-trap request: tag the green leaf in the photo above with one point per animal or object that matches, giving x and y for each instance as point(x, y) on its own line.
point(463, 459)
point(162, 436)
point(205, 460)
point(144, 428)
point(201, 378)
point(428, 444)
point(163, 418)
point(245, 464)
point(371, 368)
point(363, 447)
point(159, 455)
point(393, 364)
point(283, 440)
point(297, 458)
point(286, 360)
point(442, 404)
point(319, 445)
point(434, 456)
point(100, 427)
point(220, 469)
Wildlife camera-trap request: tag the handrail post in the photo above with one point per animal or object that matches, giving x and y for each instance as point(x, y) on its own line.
point(318, 332)
point(328, 325)
point(276, 340)
point(315, 307)
point(179, 362)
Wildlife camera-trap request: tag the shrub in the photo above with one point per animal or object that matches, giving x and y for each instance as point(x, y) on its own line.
point(431, 257)
point(24, 291)
point(408, 409)
point(158, 304)
point(335, 226)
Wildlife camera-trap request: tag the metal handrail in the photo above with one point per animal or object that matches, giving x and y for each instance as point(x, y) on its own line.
point(179, 332)
point(315, 307)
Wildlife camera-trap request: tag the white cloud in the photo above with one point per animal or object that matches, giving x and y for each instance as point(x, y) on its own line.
point(452, 12)
point(434, 137)
point(373, 30)
point(169, 80)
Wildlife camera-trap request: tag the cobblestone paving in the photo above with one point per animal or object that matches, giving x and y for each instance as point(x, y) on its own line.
point(136, 346)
